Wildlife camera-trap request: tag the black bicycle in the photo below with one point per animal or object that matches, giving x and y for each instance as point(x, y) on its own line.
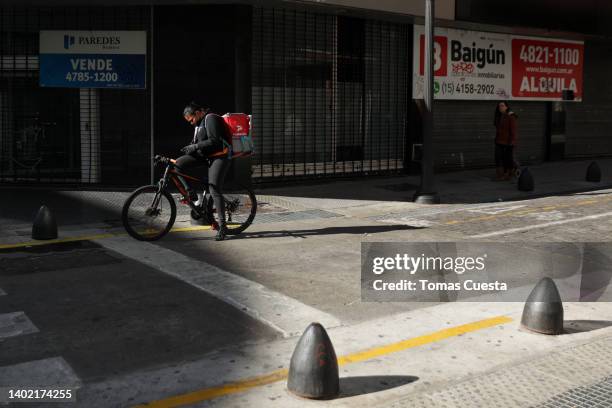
point(150, 211)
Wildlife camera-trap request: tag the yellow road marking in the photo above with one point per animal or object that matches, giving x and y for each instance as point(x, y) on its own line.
point(91, 238)
point(57, 241)
point(216, 392)
point(189, 229)
point(586, 202)
point(281, 375)
point(422, 340)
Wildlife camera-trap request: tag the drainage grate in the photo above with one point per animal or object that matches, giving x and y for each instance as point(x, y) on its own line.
point(596, 395)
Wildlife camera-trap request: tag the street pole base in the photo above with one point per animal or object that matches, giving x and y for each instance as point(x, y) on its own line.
point(426, 198)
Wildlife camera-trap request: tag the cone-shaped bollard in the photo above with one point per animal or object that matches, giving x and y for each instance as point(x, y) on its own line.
point(543, 312)
point(525, 181)
point(313, 371)
point(45, 226)
point(593, 173)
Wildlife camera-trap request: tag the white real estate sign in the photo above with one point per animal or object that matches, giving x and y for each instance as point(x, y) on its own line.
point(477, 65)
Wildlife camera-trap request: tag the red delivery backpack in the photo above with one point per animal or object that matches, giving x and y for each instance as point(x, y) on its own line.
point(239, 126)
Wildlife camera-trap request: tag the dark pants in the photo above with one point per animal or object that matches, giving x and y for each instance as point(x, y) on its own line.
point(504, 156)
point(217, 169)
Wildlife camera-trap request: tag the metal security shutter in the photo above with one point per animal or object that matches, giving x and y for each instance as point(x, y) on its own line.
point(68, 135)
point(464, 133)
point(329, 94)
point(589, 123)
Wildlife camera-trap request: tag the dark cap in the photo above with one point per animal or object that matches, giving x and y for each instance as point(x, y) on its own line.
point(193, 107)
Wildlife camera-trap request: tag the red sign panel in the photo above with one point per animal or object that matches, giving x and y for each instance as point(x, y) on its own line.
point(440, 55)
point(544, 69)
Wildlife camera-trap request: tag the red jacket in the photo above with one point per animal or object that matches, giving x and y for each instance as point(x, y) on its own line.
point(506, 129)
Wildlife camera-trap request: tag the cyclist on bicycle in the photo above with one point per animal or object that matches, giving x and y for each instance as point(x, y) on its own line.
point(207, 149)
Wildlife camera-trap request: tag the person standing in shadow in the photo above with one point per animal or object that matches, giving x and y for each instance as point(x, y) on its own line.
point(505, 122)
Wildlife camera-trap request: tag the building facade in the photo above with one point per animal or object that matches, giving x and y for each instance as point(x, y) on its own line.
point(329, 84)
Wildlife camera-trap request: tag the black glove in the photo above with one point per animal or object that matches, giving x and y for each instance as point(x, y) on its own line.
point(189, 149)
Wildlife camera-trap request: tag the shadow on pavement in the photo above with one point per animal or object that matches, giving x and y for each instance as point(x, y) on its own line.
point(108, 315)
point(468, 186)
point(326, 231)
point(381, 188)
point(581, 326)
point(354, 386)
point(69, 207)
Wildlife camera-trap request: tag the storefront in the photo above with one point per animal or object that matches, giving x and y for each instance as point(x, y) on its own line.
point(66, 134)
point(331, 90)
point(476, 69)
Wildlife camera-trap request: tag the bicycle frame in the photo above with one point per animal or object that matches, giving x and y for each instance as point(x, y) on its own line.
point(172, 173)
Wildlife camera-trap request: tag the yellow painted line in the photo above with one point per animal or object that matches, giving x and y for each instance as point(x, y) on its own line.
point(216, 392)
point(190, 229)
point(281, 375)
point(484, 218)
point(57, 241)
point(90, 238)
point(422, 340)
point(199, 228)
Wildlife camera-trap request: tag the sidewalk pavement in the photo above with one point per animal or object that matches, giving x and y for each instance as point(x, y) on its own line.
point(102, 209)
point(499, 366)
point(460, 187)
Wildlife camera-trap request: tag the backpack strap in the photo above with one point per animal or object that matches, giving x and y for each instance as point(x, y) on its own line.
point(226, 151)
point(227, 148)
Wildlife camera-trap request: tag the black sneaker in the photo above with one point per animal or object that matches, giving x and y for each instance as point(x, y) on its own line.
point(221, 231)
point(220, 234)
point(193, 196)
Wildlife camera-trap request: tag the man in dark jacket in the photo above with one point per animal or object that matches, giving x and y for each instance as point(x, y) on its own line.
point(207, 149)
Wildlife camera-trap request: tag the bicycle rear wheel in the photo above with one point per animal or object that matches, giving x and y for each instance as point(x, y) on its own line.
point(240, 208)
point(148, 214)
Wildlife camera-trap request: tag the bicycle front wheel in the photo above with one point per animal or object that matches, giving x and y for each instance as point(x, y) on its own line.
point(240, 208)
point(148, 214)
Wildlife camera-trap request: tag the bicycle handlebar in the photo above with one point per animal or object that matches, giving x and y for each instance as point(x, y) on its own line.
point(163, 160)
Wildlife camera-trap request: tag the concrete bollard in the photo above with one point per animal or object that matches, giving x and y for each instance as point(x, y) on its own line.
point(543, 311)
point(525, 181)
point(313, 371)
point(45, 226)
point(593, 173)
